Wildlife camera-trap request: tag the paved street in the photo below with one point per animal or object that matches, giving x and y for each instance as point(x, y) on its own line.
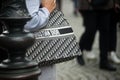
point(70, 70)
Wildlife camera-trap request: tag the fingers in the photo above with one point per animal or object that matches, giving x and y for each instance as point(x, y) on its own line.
point(54, 1)
point(49, 4)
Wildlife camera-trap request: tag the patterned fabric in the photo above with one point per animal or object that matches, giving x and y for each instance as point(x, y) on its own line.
point(55, 43)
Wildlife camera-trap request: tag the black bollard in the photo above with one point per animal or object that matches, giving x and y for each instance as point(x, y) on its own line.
point(14, 15)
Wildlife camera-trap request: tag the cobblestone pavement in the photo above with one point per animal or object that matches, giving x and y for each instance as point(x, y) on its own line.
point(70, 70)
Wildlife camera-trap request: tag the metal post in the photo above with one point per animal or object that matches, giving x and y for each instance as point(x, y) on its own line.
point(16, 42)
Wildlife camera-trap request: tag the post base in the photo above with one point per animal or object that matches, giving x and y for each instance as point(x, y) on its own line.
point(19, 71)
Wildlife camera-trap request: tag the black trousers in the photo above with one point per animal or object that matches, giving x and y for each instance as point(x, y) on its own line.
point(113, 30)
point(96, 21)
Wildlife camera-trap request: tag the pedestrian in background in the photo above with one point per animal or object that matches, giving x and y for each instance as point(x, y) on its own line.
point(59, 4)
point(96, 17)
point(76, 7)
point(115, 17)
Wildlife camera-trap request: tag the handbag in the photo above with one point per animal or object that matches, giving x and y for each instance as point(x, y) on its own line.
point(55, 43)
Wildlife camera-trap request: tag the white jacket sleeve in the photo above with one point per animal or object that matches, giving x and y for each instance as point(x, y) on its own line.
point(39, 16)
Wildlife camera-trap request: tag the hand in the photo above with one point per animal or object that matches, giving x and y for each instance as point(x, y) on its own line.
point(49, 4)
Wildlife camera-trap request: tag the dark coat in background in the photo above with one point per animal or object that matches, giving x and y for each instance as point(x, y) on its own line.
point(85, 5)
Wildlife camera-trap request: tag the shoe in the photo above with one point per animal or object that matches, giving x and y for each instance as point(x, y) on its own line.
point(89, 54)
point(80, 60)
point(113, 57)
point(108, 67)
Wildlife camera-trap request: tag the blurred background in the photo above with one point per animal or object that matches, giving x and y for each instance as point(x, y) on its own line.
point(71, 70)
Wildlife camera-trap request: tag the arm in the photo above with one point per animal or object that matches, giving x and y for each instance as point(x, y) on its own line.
point(39, 16)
